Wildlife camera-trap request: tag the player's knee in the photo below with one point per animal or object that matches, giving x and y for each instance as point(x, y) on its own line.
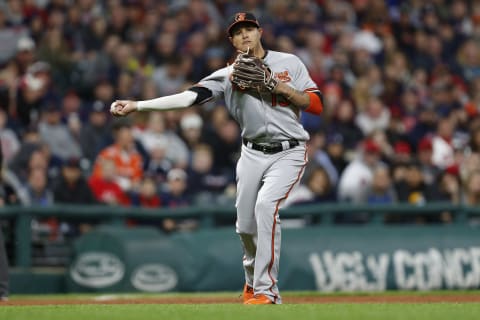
point(247, 227)
point(264, 207)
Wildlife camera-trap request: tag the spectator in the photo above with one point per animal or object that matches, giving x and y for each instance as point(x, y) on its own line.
point(14, 69)
point(195, 47)
point(158, 165)
point(332, 93)
point(169, 78)
point(39, 194)
point(321, 158)
point(357, 177)
point(382, 190)
point(30, 142)
point(314, 144)
point(176, 196)
point(104, 185)
point(426, 124)
point(54, 50)
point(471, 189)
point(469, 164)
point(34, 89)
point(409, 109)
point(71, 187)
point(448, 186)
point(443, 152)
point(413, 188)
point(23, 57)
point(38, 191)
point(147, 196)
point(375, 117)
point(226, 138)
point(71, 107)
point(14, 192)
point(318, 189)
point(402, 152)
point(103, 91)
point(164, 49)
point(424, 156)
point(176, 150)
point(386, 149)
point(128, 162)
point(191, 126)
point(57, 135)
point(9, 141)
point(95, 132)
point(206, 182)
point(344, 124)
point(469, 60)
point(474, 143)
point(336, 152)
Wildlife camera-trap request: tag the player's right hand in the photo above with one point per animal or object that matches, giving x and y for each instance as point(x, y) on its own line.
point(121, 108)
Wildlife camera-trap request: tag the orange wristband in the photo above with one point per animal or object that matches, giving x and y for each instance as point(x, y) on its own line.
point(315, 105)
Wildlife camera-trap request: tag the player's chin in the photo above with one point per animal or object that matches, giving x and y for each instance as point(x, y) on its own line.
point(244, 47)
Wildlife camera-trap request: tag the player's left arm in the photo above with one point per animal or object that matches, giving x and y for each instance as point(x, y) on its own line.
point(308, 101)
point(309, 98)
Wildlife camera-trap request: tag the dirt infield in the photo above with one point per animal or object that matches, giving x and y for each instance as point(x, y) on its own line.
point(113, 299)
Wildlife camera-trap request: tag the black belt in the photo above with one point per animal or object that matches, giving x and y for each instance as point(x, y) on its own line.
point(272, 147)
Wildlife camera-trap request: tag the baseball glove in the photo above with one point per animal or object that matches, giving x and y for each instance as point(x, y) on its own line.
point(250, 72)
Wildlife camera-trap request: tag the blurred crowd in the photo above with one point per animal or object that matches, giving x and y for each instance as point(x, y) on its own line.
point(400, 82)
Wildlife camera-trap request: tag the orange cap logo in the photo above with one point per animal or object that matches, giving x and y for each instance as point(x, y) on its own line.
point(240, 16)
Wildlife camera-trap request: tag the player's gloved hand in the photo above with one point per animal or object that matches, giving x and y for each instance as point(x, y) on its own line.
point(250, 72)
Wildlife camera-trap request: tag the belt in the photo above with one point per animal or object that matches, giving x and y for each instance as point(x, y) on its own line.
point(272, 147)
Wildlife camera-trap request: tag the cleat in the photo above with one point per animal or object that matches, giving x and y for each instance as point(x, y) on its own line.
point(247, 293)
point(259, 299)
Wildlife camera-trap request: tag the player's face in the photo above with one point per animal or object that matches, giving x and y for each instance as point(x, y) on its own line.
point(246, 36)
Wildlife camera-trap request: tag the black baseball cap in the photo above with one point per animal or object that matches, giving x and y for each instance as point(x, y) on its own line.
point(241, 17)
point(72, 162)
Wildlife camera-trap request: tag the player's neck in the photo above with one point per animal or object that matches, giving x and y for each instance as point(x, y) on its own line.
point(260, 52)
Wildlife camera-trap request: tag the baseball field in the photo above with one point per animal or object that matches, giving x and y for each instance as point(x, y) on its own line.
point(297, 305)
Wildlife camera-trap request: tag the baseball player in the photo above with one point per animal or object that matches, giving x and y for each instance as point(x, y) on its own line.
point(264, 91)
point(3, 250)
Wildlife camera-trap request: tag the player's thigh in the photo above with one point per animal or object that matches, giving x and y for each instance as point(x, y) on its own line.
point(281, 177)
point(250, 170)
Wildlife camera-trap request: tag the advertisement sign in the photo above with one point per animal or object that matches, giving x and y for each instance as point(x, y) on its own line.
point(357, 258)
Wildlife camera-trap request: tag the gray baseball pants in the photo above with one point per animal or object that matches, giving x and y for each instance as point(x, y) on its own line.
point(263, 183)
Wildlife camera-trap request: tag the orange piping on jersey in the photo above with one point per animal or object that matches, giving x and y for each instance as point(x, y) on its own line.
point(272, 258)
point(315, 105)
point(311, 89)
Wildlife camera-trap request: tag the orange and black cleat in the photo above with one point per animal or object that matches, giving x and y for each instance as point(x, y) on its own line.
point(247, 293)
point(259, 299)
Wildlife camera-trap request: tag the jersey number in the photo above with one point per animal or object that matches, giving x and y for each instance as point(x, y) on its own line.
point(280, 102)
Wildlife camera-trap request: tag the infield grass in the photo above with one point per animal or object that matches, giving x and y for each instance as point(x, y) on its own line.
point(441, 311)
point(237, 311)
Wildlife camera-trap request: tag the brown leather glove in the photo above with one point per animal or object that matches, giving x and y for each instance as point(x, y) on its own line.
point(250, 72)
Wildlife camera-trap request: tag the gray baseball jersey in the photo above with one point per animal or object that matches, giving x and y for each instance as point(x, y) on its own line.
point(265, 117)
point(264, 180)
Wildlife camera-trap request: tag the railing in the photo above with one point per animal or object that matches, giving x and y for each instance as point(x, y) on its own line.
point(323, 214)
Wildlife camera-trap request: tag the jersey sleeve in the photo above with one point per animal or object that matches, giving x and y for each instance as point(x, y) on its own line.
point(212, 86)
point(302, 79)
